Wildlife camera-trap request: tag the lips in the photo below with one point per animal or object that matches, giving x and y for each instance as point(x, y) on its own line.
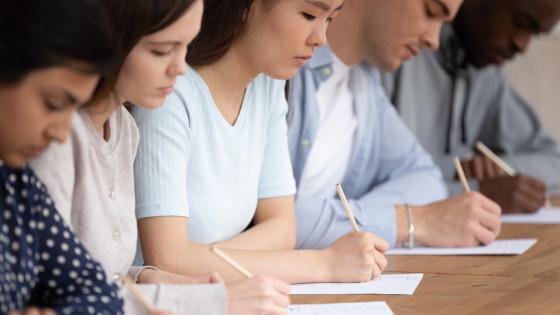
point(413, 50)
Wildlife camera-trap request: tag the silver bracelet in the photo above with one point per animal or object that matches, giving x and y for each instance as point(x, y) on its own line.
point(410, 243)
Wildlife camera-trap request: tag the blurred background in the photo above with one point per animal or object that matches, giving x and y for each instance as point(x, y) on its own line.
point(536, 75)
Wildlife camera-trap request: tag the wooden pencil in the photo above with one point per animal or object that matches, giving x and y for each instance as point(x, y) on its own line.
point(346, 206)
point(231, 262)
point(461, 174)
point(133, 288)
point(494, 158)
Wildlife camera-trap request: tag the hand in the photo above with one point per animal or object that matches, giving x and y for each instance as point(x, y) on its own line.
point(480, 167)
point(33, 311)
point(158, 276)
point(466, 220)
point(357, 257)
point(259, 295)
point(515, 194)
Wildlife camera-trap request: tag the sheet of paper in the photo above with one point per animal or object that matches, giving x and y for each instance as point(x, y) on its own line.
point(369, 308)
point(499, 247)
point(404, 284)
point(543, 216)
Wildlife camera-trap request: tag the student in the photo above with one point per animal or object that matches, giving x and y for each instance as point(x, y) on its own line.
point(91, 175)
point(469, 99)
point(213, 166)
point(52, 53)
point(343, 129)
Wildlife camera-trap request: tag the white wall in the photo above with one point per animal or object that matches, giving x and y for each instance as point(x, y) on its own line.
point(536, 75)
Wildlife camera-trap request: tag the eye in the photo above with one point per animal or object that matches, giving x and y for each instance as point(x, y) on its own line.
point(308, 16)
point(159, 53)
point(53, 106)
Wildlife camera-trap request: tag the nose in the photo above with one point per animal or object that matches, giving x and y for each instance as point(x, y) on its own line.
point(178, 66)
point(521, 41)
point(318, 37)
point(430, 38)
point(59, 128)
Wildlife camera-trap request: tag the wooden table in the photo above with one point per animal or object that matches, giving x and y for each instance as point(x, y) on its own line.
point(526, 284)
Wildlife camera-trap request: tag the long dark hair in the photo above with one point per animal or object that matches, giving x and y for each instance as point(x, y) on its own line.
point(36, 34)
point(223, 22)
point(131, 20)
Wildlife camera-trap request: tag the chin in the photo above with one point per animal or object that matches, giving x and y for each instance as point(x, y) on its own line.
point(151, 103)
point(15, 161)
point(285, 73)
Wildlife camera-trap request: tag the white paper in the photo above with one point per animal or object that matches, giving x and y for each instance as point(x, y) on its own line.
point(498, 247)
point(543, 216)
point(368, 308)
point(404, 284)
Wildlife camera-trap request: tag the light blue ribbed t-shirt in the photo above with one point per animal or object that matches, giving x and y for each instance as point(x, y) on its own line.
point(192, 163)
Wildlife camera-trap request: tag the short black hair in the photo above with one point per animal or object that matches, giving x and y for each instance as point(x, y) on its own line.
point(36, 34)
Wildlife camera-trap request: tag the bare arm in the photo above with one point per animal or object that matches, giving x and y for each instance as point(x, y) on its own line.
point(354, 257)
point(274, 227)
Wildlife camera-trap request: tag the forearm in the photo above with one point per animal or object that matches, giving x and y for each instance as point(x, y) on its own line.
point(290, 265)
point(275, 234)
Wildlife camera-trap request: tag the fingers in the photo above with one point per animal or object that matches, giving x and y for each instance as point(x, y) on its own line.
point(215, 277)
point(478, 167)
point(483, 235)
point(380, 262)
point(467, 168)
point(491, 169)
point(380, 244)
point(491, 222)
point(479, 200)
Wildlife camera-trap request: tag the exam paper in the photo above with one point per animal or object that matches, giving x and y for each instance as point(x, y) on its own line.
point(498, 247)
point(404, 284)
point(369, 308)
point(543, 216)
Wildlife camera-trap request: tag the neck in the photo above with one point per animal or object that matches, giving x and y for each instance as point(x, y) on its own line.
point(100, 114)
point(228, 77)
point(344, 37)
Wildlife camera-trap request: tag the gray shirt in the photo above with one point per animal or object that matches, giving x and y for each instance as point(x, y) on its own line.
point(91, 181)
point(450, 106)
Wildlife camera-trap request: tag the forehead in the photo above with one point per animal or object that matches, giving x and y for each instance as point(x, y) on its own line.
point(547, 12)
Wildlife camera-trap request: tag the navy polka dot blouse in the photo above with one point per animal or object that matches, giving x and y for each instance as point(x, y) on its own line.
point(41, 262)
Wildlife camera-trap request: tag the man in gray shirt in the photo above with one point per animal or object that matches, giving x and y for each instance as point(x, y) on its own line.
point(460, 95)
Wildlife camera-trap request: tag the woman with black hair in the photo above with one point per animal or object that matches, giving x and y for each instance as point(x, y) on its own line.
point(52, 53)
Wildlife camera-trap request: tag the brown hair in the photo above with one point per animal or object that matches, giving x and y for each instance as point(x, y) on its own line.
point(223, 22)
point(131, 20)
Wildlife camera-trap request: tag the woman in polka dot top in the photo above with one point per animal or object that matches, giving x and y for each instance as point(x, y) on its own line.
point(51, 55)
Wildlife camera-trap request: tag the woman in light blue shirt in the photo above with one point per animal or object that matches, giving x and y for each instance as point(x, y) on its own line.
point(213, 165)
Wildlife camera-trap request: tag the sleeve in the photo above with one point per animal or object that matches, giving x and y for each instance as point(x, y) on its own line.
point(405, 174)
point(515, 131)
point(160, 168)
point(208, 299)
point(276, 177)
point(70, 281)
point(56, 170)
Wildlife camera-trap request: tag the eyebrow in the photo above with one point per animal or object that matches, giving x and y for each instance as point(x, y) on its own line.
point(169, 42)
point(322, 5)
point(444, 7)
